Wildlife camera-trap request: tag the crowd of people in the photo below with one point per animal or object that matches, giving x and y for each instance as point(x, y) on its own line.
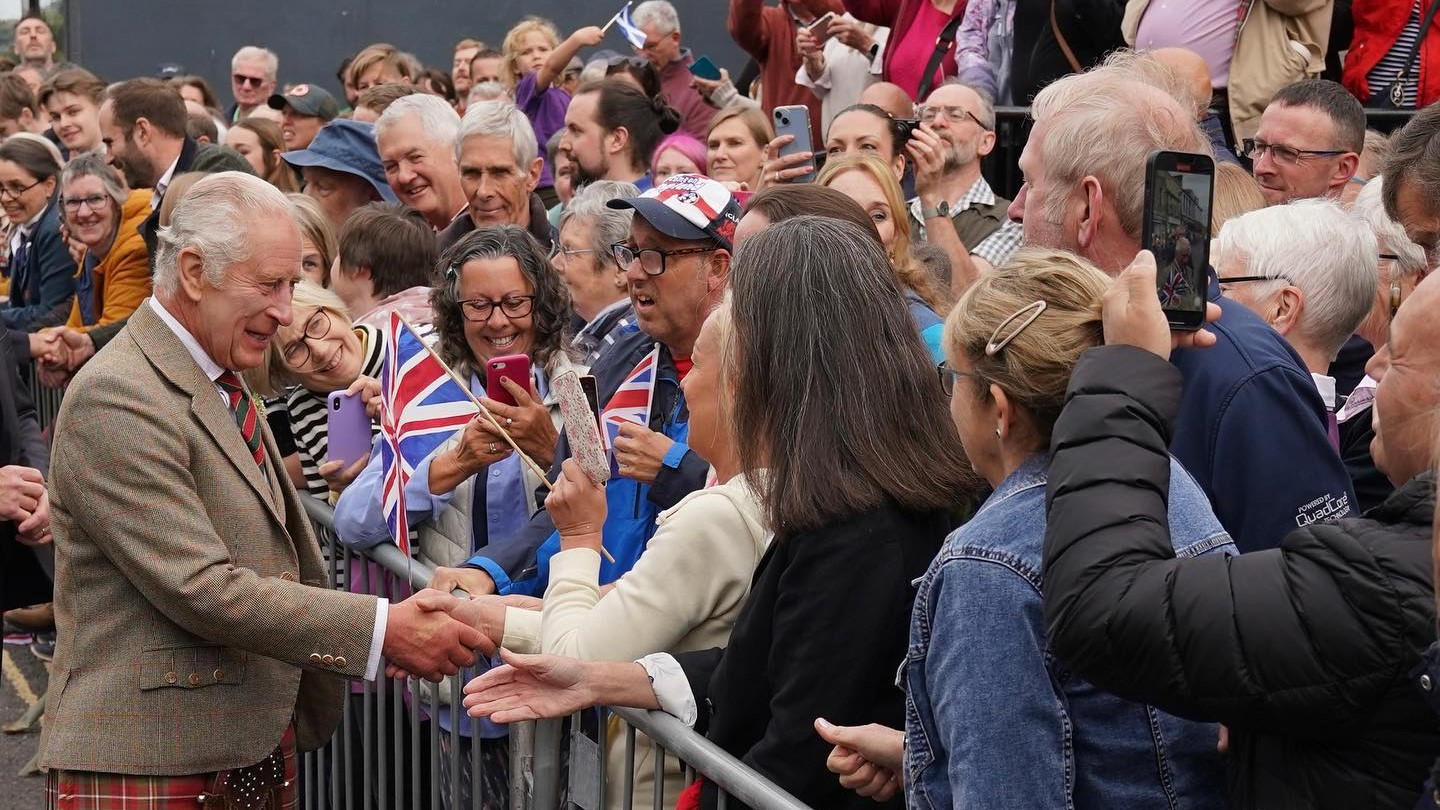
point(916, 496)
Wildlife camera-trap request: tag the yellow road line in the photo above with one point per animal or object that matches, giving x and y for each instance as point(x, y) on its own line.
point(17, 680)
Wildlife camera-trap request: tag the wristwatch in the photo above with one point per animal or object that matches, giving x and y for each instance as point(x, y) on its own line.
point(941, 210)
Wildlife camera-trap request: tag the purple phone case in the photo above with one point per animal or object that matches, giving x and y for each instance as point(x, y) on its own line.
point(348, 428)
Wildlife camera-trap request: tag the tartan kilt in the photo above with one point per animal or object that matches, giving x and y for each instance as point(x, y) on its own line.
point(92, 790)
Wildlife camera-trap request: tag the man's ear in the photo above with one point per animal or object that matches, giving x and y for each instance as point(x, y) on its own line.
point(1090, 210)
point(1288, 303)
point(192, 275)
point(532, 178)
point(717, 270)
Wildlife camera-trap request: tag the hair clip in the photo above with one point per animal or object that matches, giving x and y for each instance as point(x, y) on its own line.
point(1030, 312)
point(451, 274)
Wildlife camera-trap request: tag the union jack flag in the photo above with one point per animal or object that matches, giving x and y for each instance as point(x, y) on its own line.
point(423, 407)
point(631, 402)
point(1175, 288)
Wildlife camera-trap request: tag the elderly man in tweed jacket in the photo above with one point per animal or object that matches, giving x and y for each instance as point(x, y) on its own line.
point(198, 642)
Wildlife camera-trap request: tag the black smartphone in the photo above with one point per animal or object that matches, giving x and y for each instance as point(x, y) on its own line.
point(592, 396)
point(1178, 194)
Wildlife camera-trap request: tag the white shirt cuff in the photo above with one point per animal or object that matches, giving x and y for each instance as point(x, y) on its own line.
point(672, 688)
point(377, 641)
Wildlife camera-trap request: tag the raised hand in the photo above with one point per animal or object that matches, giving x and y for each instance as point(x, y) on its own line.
point(423, 640)
point(778, 169)
point(1132, 315)
point(640, 452)
point(577, 507)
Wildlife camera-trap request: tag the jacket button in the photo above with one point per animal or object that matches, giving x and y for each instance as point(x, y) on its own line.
point(287, 576)
point(1426, 683)
point(219, 674)
point(315, 658)
point(340, 661)
point(328, 659)
point(171, 678)
point(193, 680)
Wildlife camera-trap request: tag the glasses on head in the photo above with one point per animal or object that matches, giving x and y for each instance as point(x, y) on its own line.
point(560, 253)
point(927, 115)
point(14, 191)
point(297, 354)
point(632, 61)
point(95, 202)
point(478, 310)
point(652, 260)
point(249, 81)
point(948, 376)
point(1283, 155)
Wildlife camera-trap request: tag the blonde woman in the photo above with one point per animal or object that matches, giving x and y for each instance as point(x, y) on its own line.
point(735, 146)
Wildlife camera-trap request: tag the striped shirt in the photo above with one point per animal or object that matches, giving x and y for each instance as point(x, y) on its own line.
point(1397, 60)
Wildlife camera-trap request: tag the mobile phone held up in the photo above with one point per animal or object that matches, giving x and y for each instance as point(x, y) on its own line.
point(347, 428)
point(512, 367)
point(704, 68)
point(794, 120)
point(1179, 190)
point(820, 29)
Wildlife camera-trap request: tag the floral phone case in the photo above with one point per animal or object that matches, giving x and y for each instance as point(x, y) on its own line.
point(581, 428)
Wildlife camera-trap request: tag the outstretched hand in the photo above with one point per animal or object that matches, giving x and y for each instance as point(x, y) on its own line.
point(529, 687)
point(1132, 315)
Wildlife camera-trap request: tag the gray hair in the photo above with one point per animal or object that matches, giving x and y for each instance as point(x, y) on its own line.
point(500, 119)
point(255, 53)
point(438, 119)
point(214, 219)
point(594, 71)
point(987, 101)
point(1318, 247)
point(658, 13)
point(1369, 208)
point(487, 91)
point(609, 225)
point(93, 164)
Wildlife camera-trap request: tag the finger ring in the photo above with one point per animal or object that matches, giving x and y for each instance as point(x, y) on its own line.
point(509, 421)
point(493, 448)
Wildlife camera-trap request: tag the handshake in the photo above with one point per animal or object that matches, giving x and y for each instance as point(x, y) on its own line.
point(60, 352)
point(433, 634)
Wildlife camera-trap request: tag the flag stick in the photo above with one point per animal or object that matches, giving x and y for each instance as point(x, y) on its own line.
point(606, 26)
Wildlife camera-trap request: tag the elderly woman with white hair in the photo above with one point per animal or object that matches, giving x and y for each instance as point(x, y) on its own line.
point(581, 254)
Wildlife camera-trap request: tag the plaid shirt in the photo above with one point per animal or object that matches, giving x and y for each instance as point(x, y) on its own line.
point(998, 247)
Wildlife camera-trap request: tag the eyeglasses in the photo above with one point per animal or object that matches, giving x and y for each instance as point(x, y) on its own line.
point(1226, 282)
point(1283, 155)
point(478, 310)
point(297, 354)
point(15, 191)
point(96, 202)
point(652, 260)
point(948, 376)
point(562, 254)
point(928, 114)
point(249, 81)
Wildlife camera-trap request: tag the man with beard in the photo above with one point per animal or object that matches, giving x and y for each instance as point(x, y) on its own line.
point(958, 130)
point(611, 129)
point(142, 122)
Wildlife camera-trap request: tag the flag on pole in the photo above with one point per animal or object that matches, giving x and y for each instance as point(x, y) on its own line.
point(631, 402)
point(629, 29)
point(423, 407)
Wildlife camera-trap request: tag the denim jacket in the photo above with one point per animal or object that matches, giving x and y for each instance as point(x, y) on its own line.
point(994, 720)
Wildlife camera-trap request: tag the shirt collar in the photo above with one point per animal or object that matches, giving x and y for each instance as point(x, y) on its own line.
point(163, 183)
point(211, 368)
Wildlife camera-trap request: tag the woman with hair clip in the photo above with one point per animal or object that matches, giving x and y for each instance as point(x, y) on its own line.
point(858, 507)
point(978, 629)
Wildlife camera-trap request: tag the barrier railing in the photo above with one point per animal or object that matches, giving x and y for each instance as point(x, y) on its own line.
point(378, 757)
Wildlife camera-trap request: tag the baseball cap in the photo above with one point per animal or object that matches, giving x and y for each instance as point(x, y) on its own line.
point(688, 206)
point(307, 99)
point(345, 146)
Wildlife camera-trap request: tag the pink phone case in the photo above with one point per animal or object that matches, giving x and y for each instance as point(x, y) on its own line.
point(580, 427)
point(347, 428)
point(512, 367)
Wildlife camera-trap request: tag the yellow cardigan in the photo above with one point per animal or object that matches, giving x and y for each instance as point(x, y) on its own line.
point(122, 278)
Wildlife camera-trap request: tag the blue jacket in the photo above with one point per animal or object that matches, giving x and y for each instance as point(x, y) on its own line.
point(521, 563)
point(1252, 430)
point(994, 720)
point(42, 288)
point(928, 323)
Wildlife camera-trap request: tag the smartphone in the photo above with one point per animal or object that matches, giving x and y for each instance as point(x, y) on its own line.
point(820, 29)
point(592, 395)
point(347, 428)
point(703, 68)
point(581, 428)
point(1179, 190)
point(795, 120)
point(512, 367)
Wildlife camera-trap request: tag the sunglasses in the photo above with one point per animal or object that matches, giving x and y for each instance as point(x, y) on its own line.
point(248, 81)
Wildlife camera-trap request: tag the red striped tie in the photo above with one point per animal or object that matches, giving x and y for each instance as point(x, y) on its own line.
point(245, 414)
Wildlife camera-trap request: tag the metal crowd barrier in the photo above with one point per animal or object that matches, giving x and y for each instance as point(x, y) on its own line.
point(385, 755)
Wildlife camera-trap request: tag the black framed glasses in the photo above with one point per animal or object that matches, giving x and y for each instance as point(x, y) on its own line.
point(15, 191)
point(96, 202)
point(297, 354)
point(1244, 279)
point(928, 113)
point(1284, 155)
point(479, 310)
point(652, 260)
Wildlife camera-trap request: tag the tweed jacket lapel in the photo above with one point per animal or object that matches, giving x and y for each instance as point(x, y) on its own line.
point(162, 347)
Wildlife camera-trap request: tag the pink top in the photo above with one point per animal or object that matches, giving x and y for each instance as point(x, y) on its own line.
point(912, 53)
point(1207, 27)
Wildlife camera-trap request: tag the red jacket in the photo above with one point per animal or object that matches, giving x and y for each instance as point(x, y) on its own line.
point(768, 34)
point(1377, 25)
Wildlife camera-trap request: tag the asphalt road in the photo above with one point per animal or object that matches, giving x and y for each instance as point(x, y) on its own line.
point(22, 682)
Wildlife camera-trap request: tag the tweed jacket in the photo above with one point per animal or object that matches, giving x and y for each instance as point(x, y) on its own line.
point(194, 622)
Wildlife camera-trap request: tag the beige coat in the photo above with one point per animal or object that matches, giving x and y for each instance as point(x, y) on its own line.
point(190, 596)
point(1280, 42)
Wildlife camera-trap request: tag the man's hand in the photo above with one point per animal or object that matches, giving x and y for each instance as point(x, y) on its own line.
point(423, 640)
point(808, 46)
point(640, 452)
point(530, 687)
point(35, 530)
point(79, 347)
point(470, 580)
point(868, 759)
point(1132, 315)
point(338, 476)
point(927, 152)
point(850, 33)
point(577, 507)
point(21, 489)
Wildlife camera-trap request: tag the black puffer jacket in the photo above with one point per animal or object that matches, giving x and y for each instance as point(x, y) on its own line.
point(1302, 651)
